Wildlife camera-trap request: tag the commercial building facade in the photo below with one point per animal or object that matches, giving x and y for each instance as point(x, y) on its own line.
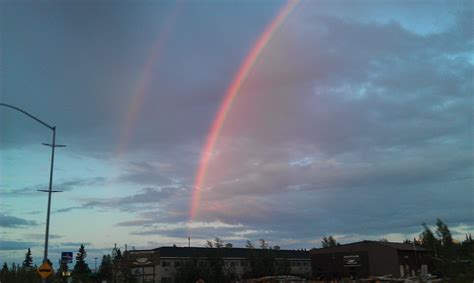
point(369, 258)
point(161, 265)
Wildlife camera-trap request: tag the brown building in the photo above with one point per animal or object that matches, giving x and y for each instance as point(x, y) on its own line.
point(369, 258)
point(161, 265)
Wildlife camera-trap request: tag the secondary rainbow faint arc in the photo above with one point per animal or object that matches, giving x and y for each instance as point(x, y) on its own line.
point(141, 90)
point(229, 98)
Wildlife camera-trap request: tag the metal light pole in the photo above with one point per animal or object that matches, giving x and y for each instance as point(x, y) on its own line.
point(50, 190)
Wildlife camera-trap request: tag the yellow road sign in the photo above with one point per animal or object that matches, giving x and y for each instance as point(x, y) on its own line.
point(45, 270)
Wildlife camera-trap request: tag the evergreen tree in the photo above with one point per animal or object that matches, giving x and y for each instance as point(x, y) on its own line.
point(28, 262)
point(62, 272)
point(117, 263)
point(14, 268)
point(106, 269)
point(81, 271)
point(4, 273)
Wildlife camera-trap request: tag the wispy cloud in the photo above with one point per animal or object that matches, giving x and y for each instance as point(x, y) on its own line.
point(8, 221)
point(63, 186)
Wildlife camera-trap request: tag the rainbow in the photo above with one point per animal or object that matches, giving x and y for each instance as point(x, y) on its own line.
point(141, 90)
point(229, 97)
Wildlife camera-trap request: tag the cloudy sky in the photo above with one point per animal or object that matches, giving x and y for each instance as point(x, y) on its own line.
point(355, 121)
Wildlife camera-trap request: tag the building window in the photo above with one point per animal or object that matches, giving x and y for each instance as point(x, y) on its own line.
point(243, 263)
point(232, 263)
point(177, 264)
point(165, 263)
point(166, 280)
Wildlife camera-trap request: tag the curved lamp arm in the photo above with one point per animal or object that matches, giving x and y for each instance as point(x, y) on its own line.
point(27, 114)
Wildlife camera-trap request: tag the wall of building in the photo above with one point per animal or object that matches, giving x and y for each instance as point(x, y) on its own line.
point(373, 259)
point(153, 266)
point(338, 264)
point(382, 260)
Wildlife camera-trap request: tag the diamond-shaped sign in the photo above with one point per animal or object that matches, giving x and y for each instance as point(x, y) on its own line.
point(45, 270)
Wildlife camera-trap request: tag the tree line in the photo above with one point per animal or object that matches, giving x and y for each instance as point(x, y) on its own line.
point(260, 262)
point(450, 259)
point(26, 272)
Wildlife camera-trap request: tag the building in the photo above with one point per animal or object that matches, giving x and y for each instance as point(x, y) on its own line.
point(161, 265)
point(369, 258)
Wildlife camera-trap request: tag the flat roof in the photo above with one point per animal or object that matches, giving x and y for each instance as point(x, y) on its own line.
point(393, 245)
point(189, 252)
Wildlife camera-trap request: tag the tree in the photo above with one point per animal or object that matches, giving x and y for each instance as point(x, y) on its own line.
point(261, 262)
point(249, 245)
point(62, 272)
point(28, 262)
point(445, 237)
point(81, 271)
point(4, 273)
point(192, 270)
point(106, 269)
point(428, 240)
point(4, 267)
point(218, 243)
point(116, 262)
point(263, 244)
point(209, 244)
point(328, 242)
point(282, 267)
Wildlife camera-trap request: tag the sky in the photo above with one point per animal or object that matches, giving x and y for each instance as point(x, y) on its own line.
point(354, 120)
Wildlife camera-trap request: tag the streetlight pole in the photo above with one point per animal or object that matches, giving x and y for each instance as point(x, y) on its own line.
point(50, 190)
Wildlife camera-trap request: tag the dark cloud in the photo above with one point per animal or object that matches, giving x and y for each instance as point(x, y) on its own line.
point(74, 244)
point(37, 236)
point(16, 245)
point(8, 221)
point(146, 173)
point(146, 199)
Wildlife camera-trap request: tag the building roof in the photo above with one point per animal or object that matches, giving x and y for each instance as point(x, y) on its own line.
point(227, 252)
point(400, 246)
point(393, 245)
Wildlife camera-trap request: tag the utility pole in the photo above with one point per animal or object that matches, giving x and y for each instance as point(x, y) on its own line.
point(50, 190)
